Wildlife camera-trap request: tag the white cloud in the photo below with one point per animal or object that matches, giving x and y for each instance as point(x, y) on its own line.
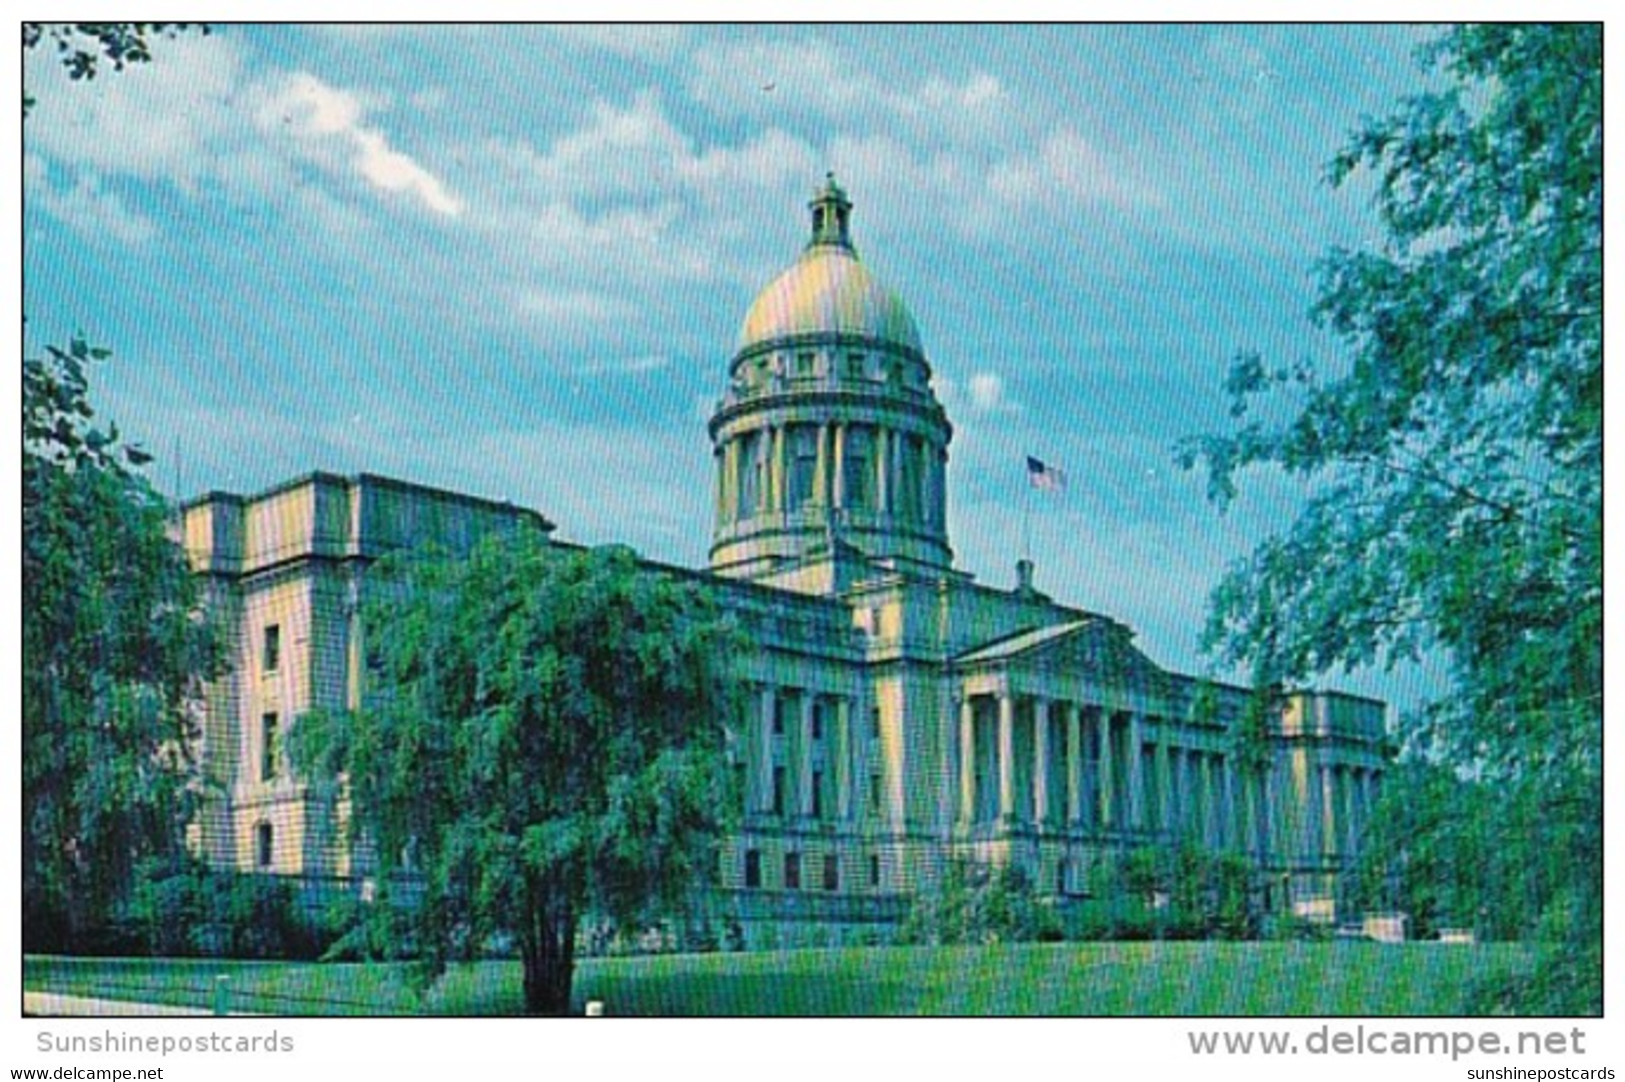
point(153, 121)
point(639, 41)
point(775, 79)
point(986, 391)
point(577, 306)
point(981, 393)
point(1066, 167)
point(200, 117)
point(323, 125)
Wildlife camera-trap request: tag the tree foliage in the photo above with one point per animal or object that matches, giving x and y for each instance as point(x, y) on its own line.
point(540, 743)
point(1455, 456)
point(114, 653)
point(82, 47)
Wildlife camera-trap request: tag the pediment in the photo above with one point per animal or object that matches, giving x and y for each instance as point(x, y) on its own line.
point(1094, 649)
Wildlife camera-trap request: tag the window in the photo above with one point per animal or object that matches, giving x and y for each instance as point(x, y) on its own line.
point(271, 654)
point(818, 794)
point(778, 790)
point(859, 468)
point(832, 872)
point(804, 364)
point(874, 794)
point(792, 871)
point(874, 870)
point(854, 365)
point(778, 715)
point(874, 724)
point(818, 721)
point(264, 845)
point(753, 868)
point(270, 749)
point(803, 465)
point(752, 473)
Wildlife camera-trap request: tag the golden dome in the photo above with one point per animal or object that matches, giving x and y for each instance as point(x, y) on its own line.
point(828, 291)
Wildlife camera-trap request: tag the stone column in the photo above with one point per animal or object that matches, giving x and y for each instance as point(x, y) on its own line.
point(1107, 795)
point(764, 746)
point(967, 761)
point(882, 472)
point(1007, 757)
point(1205, 817)
point(1326, 837)
point(838, 470)
point(1136, 773)
point(821, 469)
point(776, 470)
point(804, 750)
point(1074, 765)
point(1040, 762)
point(736, 468)
point(843, 758)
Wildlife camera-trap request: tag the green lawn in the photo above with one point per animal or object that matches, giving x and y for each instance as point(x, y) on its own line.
point(1060, 979)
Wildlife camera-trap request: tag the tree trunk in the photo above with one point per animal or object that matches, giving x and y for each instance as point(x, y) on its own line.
point(549, 960)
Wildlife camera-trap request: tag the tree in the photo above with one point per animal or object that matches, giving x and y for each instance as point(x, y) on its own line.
point(114, 654)
point(1455, 457)
point(83, 46)
point(114, 648)
point(539, 744)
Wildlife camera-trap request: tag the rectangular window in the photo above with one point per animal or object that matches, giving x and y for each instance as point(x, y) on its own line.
point(874, 724)
point(270, 749)
point(874, 871)
point(874, 794)
point(778, 790)
point(859, 468)
point(817, 794)
point(832, 872)
point(818, 721)
point(803, 465)
point(792, 871)
point(752, 473)
point(264, 844)
point(778, 715)
point(753, 868)
point(271, 655)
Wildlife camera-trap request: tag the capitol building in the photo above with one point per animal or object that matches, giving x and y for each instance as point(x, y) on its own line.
point(901, 713)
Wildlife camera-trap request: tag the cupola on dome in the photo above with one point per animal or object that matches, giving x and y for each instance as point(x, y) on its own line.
point(828, 291)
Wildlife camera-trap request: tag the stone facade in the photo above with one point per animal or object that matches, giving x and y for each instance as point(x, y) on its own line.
point(901, 713)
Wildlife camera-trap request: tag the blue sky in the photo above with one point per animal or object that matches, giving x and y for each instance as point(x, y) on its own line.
point(513, 261)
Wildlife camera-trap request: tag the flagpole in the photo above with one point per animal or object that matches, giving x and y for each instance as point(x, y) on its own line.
point(1027, 522)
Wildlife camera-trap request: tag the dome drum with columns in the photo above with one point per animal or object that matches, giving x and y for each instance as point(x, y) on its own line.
point(829, 428)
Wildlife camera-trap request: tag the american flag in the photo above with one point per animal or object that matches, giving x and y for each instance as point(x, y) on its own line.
point(1045, 477)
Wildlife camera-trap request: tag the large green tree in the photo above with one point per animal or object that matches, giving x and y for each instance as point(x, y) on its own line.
point(114, 654)
point(1454, 453)
point(540, 744)
point(114, 647)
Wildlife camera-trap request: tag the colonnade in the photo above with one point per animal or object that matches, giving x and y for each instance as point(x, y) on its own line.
point(1048, 765)
point(783, 467)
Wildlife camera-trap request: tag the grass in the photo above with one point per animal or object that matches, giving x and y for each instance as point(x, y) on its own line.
point(1108, 979)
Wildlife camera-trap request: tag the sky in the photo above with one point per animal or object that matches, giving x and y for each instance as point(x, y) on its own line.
point(513, 261)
